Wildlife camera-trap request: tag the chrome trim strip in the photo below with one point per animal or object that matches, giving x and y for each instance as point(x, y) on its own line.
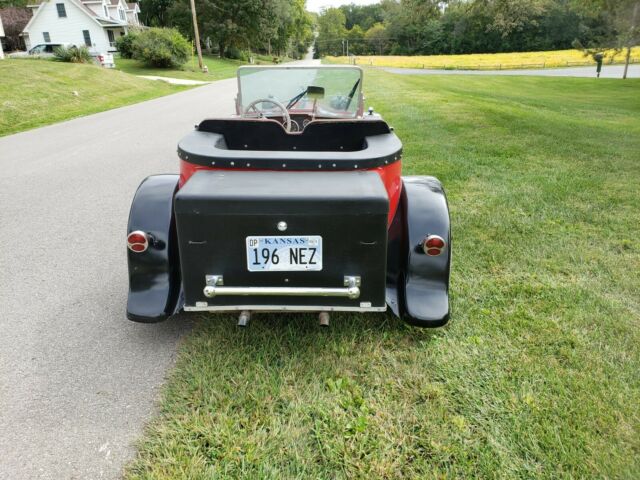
point(282, 308)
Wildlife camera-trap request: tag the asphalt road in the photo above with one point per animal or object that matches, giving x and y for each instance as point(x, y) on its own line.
point(608, 71)
point(77, 379)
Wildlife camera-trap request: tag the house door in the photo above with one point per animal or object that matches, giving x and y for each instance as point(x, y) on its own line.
point(112, 38)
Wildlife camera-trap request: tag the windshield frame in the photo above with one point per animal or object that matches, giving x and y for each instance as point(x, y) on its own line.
point(360, 97)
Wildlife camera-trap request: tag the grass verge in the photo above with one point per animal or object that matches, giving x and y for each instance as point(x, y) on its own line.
point(536, 376)
point(490, 61)
point(34, 93)
point(219, 68)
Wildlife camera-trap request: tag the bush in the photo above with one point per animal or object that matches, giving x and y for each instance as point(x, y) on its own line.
point(161, 47)
point(124, 44)
point(72, 54)
point(235, 53)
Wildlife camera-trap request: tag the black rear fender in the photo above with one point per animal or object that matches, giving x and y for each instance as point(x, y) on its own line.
point(154, 275)
point(418, 284)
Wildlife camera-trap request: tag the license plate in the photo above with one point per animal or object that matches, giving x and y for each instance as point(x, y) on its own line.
point(284, 253)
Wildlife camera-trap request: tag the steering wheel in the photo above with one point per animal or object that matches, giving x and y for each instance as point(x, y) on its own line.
point(285, 113)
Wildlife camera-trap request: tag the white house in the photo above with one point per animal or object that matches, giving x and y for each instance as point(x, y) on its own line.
point(94, 23)
point(1, 35)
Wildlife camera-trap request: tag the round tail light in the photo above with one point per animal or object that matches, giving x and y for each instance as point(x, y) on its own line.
point(138, 241)
point(433, 245)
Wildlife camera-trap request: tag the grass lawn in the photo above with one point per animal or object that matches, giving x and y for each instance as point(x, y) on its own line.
point(218, 68)
point(490, 61)
point(40, 92)
point(537, 374)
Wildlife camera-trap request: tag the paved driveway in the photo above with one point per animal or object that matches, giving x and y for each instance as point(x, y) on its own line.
point(608, 71)
point(78, 380)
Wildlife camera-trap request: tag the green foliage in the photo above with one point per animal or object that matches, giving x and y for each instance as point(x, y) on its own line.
point(124, 44)
point(331, 32)
point(13, 3)
point(161, 47)
point(235, 53)
point(72, 54)
point(429, 27)
point(280, 27)
point(378, 38)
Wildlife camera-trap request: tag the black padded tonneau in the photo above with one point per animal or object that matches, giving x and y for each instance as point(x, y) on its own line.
point(263, 144)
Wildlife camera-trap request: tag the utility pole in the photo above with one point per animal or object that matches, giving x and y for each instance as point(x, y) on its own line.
point(196, 33)
point(347, 47)
point(343, 48)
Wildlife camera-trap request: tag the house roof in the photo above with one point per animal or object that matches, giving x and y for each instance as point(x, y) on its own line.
point(103, 22)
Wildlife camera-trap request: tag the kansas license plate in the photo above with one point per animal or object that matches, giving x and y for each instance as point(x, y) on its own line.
point(284, 253)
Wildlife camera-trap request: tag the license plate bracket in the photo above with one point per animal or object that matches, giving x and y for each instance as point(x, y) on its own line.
point(284, 253)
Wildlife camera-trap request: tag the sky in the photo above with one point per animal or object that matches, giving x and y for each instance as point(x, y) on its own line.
point(316, 5)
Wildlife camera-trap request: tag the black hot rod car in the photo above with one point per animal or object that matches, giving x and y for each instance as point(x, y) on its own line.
point(297, 203)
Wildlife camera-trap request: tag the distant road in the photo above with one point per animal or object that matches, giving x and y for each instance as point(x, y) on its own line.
point(608, 71)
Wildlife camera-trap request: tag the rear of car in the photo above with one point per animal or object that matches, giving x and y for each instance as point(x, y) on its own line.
point(260, 240)
point(295, 204)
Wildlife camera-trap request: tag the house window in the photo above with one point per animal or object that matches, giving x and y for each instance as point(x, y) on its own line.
point(106, 12)
point(112, 38)
point(47, 37)
point(87, 37)
point(121, 12)
point(62, 12)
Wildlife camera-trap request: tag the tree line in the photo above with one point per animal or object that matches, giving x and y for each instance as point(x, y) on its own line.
point(236, 28)
point(431, 27)
point(230, 28)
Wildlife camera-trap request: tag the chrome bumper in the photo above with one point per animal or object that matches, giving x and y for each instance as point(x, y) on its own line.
point(215, 287)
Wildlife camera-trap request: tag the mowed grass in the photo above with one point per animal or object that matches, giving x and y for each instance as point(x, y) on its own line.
point(219, 68)
point(490, 61)
point(537, 374)
point(34, 93)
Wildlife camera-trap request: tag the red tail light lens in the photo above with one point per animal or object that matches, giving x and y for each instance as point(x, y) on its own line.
point(433, 245)
point(138, 241)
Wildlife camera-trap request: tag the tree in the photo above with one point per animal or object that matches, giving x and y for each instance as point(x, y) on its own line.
point(377, 36)
point(627, 17)
point(14, 19)
point(624, 26)
point(357, 45)
point(154, 13)
point(331, 32)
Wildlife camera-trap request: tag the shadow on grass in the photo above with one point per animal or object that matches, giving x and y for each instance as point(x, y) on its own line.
point(301, 334)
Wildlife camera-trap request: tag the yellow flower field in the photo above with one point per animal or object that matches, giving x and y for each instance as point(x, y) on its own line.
point(490, 61)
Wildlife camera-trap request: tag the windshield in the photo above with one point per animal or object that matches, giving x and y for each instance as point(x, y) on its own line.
point(325, 91)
